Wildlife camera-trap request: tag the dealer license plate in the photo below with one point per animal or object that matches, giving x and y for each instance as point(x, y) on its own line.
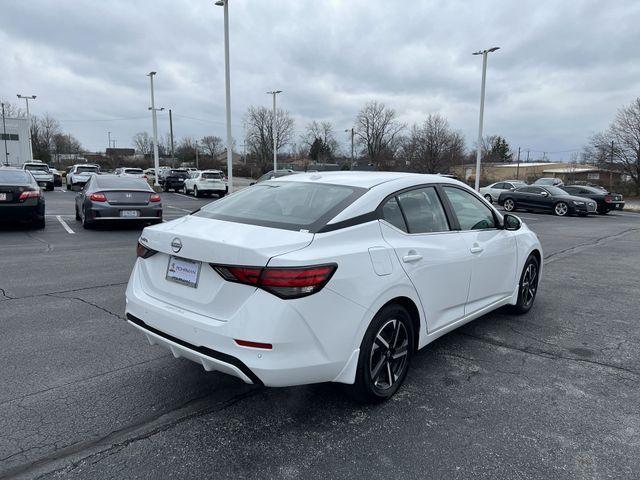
point(183, 271)
point(3, 197)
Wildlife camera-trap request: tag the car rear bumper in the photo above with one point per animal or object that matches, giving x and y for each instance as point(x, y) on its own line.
point(29, 210)
point(112, 212)
point(297, 330)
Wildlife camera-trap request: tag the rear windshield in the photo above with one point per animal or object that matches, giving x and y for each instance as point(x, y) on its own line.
point(212, 176)
point(86, 169)
point(286, 205)
point(14, 176)
point(113, 181)
point(32, 167)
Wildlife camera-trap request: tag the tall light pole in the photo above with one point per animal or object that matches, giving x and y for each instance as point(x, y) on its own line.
point(26, 100)
point(227, 84)
point(4, 135)
point(109, 135)
point(484, 54)
point(274, 129)
point(352, 155)
point(156, 160)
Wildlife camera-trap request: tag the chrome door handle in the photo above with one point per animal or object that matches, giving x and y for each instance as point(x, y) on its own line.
point(476, 249)
point(411, 258)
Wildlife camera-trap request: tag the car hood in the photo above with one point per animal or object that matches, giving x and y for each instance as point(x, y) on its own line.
point(573, 198)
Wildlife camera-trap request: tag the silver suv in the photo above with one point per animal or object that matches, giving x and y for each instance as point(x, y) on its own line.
point(41, 173)
point(80, 174)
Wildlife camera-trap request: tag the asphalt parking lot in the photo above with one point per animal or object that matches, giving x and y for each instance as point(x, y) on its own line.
point(552, 394)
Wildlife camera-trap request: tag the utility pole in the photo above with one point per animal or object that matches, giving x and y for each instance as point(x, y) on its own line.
point(171, 134)
point(26, 99)
point(610, 169)
point(227, 84)
point(156, 160)
point(109, 135)
point(4, 135)
point(197, 166)
point(518, 166)
point(352, 150)
point(484, 54)
point(274, 130)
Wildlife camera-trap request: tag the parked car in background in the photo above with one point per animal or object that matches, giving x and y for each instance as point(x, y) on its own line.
point(113, 197)
point(21, 198)
point(174, 179)
point(493, 191)
point(80, 174)
point(130, 172)
point(605, 200)
point(270, 175)
point(548, 199)
point(41, 173)
point(206, 182)
point(549, 181)
point(57, 176)
point(329, 277)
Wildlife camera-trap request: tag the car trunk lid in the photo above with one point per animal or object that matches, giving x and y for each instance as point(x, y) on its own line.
point(127, 197)
point(209, 241)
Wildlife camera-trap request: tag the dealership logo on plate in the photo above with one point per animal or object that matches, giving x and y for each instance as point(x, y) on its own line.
point(176, 245)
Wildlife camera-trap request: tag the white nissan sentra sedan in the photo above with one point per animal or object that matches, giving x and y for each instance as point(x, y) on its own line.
point(329, 277)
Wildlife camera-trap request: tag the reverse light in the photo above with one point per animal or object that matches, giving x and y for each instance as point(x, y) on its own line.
point(144, 252)
point(98, 197)
point(155, 197)
point(283, 282)
point(29, 194)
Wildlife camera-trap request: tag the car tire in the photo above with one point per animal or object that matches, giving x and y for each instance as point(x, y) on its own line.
point(528, 286)
point(509, 205)
point(195, 191)
point(49, 187)
point(488, 199)
point(39, 223)
point(561, 209)
point(78, 218)
point(604, 211)
point(86, 224)
point(382, 369)
point(222, 194)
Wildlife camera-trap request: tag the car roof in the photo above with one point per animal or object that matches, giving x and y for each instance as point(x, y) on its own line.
point(364, 179)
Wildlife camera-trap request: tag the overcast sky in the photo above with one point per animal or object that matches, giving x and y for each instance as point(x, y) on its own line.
point(563, 69)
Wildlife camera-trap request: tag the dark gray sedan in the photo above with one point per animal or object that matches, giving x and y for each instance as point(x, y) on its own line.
point(110, 197)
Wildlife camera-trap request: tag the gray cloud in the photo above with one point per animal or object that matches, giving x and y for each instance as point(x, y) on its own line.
point(563, 69)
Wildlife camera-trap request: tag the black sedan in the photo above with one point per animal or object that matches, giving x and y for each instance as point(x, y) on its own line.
point(20, 197)
point(605, 200)
point(174, 180)
point(110, 197)
point(547, 198)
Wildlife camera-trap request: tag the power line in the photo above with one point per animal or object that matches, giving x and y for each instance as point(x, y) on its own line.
point(100, 119)
point(205, 120)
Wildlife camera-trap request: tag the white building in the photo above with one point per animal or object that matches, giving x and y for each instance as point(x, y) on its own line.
point(17, 141)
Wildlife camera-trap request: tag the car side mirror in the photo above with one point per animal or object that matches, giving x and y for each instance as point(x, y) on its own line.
point(252, 183)
point(511, 222)
point(544, 194)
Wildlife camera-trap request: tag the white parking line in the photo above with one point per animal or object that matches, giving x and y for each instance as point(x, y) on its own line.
point(185, 196)
point(178, 208)
point(64, 224)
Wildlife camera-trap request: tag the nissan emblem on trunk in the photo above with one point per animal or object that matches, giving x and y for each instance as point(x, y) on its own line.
point(176, 245)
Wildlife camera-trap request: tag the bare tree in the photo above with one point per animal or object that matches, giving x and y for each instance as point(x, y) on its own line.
point(13, 111)
point(377, 129)
point(143, 143)
point(43, 131)
point(259, 128)
point(212, 145)
point(320, 141)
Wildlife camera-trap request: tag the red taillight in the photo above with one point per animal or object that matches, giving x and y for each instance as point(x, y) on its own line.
point(247, 343)
point(144, 252)
point(144, 177)
point(284, 282)
point(608, 198)
point(29, 194)
point(154, 197)
point(98, 197)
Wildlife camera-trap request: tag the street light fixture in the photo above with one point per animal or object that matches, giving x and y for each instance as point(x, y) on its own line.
point(26, 99)
point(154, 118)
point(274, 130)
point(484, 54)
point(227, 83)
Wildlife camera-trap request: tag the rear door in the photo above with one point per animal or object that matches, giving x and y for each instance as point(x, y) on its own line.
point(434, 256)
point(493, 273)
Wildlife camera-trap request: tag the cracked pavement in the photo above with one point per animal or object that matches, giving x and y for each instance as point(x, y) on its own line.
point(552, 394)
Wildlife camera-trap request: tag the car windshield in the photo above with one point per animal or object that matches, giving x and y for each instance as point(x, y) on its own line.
point(133, 170)
point(212, 176)
point(14, 176)
point(86, 170)
point(42, 168)
point(286, 205)
point(555, 191)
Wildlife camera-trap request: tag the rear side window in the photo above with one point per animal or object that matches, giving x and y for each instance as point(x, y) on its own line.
point(286, 205)
point(423, 211)
point(392, 214)
point(472, 213)
point(500, 186)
